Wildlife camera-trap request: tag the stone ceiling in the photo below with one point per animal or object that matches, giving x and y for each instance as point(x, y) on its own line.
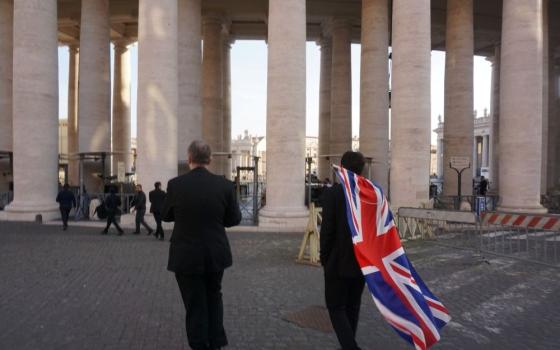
point(248, 19)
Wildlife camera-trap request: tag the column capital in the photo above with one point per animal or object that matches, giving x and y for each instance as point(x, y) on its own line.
point(122, 44)
point(73, 48)
point(325, 42)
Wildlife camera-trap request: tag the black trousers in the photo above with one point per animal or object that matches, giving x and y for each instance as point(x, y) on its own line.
point(64, 213)
point(202, 296)
point(344, 297)
point(140, 220)
point(111, 219)
point(159, 228)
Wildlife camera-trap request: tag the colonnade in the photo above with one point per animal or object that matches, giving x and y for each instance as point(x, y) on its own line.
point(182, 96)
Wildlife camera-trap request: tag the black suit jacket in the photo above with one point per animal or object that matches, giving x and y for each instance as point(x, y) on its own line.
point(337, 251)
point(139, 201)
point(201, 204)
point(157, 197)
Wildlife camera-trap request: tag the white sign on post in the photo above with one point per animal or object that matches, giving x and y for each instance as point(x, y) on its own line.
point(460, 162)
point(120, 172)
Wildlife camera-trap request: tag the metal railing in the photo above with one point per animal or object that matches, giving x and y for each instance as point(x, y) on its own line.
point(534, 238)
point(5, 199)
point(454, 202)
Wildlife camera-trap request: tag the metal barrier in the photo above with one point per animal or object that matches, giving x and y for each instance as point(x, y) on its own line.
point(527, 237)
point(450, 227)
point(454, 202)
point(522, 236)
point(5, 199)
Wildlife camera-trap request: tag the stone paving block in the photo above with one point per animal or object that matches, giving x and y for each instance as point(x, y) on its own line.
point(81, 290)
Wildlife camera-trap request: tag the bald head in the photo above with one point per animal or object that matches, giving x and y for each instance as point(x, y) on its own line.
point(200, 153)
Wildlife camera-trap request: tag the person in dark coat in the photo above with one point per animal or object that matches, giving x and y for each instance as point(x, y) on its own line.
point(344, 282)
point(157, 196)
point(112, 204)
point(66, 201)
point(201, 204)
point(139, 204)
point(483, 189)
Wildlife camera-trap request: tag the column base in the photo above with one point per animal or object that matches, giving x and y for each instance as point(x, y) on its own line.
point(293, 219)
point(523, 210)
point(23, 212)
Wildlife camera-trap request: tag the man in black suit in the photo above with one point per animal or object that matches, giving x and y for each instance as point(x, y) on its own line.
point(139, 204)
point(157, 196)
point(66, 201)
point(112, 204)
point(344, 282)
point(201, 204)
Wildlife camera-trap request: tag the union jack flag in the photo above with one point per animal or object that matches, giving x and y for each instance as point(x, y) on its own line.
point(401, 296)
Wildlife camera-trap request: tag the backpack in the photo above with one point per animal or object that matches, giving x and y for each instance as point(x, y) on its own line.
point(101, 211)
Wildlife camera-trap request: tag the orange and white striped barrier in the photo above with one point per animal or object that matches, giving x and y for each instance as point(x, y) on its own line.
point(541, 222)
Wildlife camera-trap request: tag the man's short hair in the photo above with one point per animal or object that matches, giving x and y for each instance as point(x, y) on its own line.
point(200, 152)
point(157, 184)
point(138, 185)
point(353, 161)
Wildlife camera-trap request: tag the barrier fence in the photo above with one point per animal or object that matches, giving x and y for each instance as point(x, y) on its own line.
point(534, 238)
point(5, 199)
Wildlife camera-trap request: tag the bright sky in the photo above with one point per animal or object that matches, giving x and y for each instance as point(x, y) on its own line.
point(248, 86)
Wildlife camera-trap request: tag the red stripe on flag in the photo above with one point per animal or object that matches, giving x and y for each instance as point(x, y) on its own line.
point(551, 222)
point(519, 220)
point(534, 221)
point(437, 306)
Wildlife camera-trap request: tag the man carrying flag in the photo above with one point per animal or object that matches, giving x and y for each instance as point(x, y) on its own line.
point(401, 296)
point(344, 281)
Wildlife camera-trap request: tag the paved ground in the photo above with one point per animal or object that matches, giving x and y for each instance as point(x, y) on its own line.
point(80, 290)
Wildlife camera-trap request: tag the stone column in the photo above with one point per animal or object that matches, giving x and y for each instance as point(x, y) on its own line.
point(157, 91)
point(495, 126)
point(410, 126)
point(484, 151)
point(374, 90)
point(35, 107)
point(190, 71)
point(94, 92)
point(212, 89)
point(73, 143)
point(6, 73)
point(545, 109)
point(325, 109)
point(285, 121)
point(554, 126)
point(459, 124)
point(227, 106)
point(341, 89)
point(521, 106)
point(121, 108)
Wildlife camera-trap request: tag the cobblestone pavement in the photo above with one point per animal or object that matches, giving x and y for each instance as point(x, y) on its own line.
point(81, 290)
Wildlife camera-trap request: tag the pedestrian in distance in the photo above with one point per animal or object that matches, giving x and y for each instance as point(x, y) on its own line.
point(66, 201)
point(139, 205)
point(157, 196)
point(344, 281)
point(112, 209)
point(483, 186)
point(201, 204)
